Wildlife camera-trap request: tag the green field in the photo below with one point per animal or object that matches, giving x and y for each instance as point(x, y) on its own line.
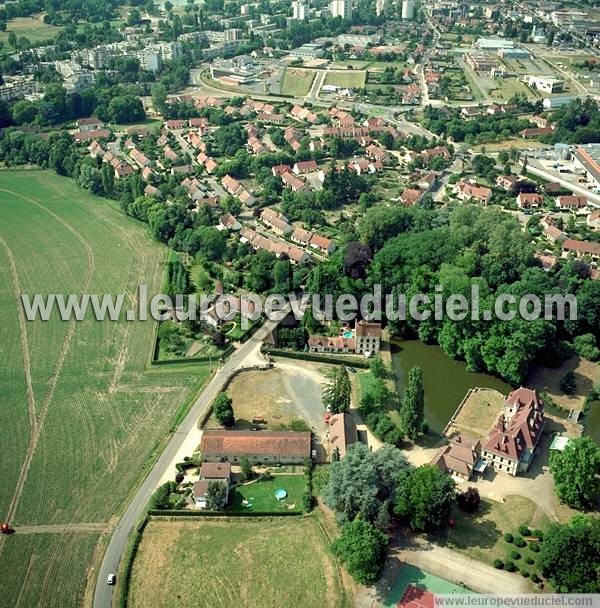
point(260, 496)
point(33, 28)
point(99, 412)
point(262, 562)
point(350, 79)
point(297, 81)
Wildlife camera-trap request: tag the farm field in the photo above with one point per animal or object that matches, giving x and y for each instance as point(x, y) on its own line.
point(266, 562)
point(98, 412)
point(297, 81)
point(351, 79)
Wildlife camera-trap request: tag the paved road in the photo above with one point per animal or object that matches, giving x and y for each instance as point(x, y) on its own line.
point(103, 595)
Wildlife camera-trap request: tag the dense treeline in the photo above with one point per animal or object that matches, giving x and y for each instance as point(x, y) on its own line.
point(576, 123)
point(449, 123)
point(416, 249)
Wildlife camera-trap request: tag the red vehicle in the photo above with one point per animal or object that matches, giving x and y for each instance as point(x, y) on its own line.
point(5, 528)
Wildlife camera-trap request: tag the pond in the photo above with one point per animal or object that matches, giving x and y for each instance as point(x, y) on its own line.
point(446, 381)
point(592, 421)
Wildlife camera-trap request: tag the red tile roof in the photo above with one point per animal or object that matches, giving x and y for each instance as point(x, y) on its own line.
point(269, 443)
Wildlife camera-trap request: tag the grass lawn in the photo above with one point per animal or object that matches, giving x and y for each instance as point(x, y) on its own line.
point(412, 575)
point(262, 562)
point(297, 81)
point(480, 535)
point(261, 495)
point(349, 79)
point(479, 412)
point(101, 412)
point(33, 28)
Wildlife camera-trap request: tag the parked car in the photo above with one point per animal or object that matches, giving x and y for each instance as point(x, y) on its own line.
point(111, 579)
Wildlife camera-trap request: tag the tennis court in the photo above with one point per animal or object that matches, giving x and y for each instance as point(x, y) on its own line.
point(412, 575)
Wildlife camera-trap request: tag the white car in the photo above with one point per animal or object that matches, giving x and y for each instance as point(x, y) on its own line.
point(111, 579)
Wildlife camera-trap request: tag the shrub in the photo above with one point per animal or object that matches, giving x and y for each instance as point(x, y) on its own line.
point(469, 500)
point(510, 566)
point(307, 502)
point(534, 547)
point(498, 564)
point(179, 478)
point(524, 573)
point(529, 560)
point(535, 578)
point(515, 555)
point(520, 542)
point(539, 534)
point(508, 537)
point(524, 530)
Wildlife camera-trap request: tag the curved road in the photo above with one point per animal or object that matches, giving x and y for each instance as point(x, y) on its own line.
point(103, 595)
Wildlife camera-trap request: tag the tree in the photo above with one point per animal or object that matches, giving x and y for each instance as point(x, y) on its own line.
point(576, 470)
point(570, 556)
point(469, 500)
point(336, 392)
point(378, 368)
point(159, 96)
point(424, 498)
point(216, 495)
point(412, 409)
point(586, 346)
point(126, 108)
point(361, 547)
point(223, 410)
point(363, 484)
point(568, 383)
point(245, 467)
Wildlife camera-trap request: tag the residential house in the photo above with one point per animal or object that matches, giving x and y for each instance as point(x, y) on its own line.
point(306, 166)
point(89, 124)
point(467, 190)
point(511, 443)
point(432, 153)
point(571, 203)
point(229, 222)
point(459, 458)
point(231, 185)
point(529, 200)
point(219, 472)
point(411, 197)
point(323, 244)
point(292, 181)
point(507, 182)
point(376, 153)
point(368, 337)
point(581, 249)
point(331, 344)
point(301, 236)
point(342, 433)
point(554, 234)
point(260, 448)
point(593, 220)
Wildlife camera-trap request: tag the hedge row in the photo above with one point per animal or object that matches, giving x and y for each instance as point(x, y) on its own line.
point(124, 597)
point(225, 353)
point(189, 513)
point(294, 354)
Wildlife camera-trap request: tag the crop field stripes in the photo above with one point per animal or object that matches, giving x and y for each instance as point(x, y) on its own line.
point(38, 424)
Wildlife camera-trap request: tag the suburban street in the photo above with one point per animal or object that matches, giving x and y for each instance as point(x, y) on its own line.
point(245, 356)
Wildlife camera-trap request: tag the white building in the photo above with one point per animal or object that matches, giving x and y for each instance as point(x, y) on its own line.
point(380, 7)
point(341, 8)
point(408, 9)
point(17, 87)
point(298, 10)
